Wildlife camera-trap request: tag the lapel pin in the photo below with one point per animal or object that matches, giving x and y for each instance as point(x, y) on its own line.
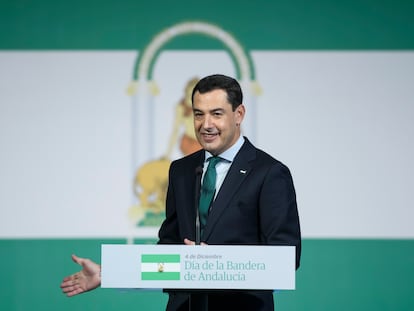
point(243, 171)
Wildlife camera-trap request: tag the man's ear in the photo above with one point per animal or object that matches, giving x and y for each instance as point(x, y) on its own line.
point(240, 112)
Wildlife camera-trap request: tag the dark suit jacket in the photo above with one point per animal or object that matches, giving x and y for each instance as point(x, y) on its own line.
point(256, 205)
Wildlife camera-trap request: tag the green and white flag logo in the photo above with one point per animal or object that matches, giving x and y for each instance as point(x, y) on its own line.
point(157, 267)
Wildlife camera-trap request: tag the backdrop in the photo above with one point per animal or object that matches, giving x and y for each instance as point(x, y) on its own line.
point(92, 111)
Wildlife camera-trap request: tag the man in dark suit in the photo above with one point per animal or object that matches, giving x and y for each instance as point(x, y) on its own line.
point(254, 201)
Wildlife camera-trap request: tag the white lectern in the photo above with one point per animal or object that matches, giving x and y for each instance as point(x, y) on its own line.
point(198, 268)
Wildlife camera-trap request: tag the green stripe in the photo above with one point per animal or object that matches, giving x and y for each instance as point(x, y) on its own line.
point(160, 276)
point(160, 258)
point(335, 274)
point(281, 25)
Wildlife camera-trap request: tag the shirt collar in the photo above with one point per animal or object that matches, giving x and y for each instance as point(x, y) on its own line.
point(230, 153)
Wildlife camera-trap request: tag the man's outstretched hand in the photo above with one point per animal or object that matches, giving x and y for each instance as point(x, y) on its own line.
point(85, 280)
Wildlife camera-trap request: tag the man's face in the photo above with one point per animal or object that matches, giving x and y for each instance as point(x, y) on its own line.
point(216, 126)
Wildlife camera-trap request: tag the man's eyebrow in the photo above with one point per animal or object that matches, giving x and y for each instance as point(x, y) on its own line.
point(210, 111)
point(217, 110)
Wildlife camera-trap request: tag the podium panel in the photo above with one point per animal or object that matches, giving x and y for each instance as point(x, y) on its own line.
point(198, 267)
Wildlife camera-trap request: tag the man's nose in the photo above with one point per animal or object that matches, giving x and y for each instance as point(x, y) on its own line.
point(207, 122)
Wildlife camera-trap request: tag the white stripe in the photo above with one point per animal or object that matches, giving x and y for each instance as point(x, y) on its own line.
point(153, 267)
point(351, 112)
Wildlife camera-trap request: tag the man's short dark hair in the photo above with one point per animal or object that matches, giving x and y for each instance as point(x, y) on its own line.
point(221, 82)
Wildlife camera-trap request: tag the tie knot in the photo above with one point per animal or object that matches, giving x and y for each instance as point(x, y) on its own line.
point(212, 161)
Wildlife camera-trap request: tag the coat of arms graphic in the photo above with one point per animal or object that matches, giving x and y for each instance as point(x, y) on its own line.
point(162, 118)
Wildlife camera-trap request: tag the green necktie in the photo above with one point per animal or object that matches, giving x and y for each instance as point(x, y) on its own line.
point(208, 189)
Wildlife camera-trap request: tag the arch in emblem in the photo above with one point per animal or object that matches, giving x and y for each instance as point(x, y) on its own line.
point(242, 61)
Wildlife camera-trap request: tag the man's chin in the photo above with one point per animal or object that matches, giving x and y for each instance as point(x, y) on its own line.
point(210, 147)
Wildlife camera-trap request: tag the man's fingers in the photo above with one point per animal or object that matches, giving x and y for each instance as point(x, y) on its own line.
point(77, 259)
point(72, 291)
point(189, 242)
point(65, 279)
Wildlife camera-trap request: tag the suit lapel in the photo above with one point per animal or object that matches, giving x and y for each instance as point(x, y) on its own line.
point(238, 172)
